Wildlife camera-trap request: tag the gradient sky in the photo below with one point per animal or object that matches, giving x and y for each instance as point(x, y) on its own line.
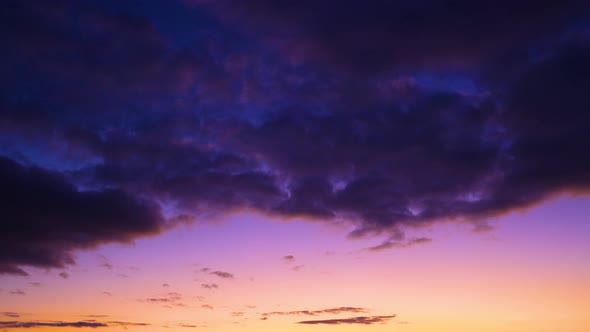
point(263, 165)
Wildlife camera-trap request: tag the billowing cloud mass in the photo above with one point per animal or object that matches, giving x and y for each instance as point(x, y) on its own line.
point(383, 115)
point(45, 217)
point(364, 320)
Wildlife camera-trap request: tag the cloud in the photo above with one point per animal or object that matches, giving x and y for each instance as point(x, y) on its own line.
point(332, 311)
point(17, 292)
point(395, 243)
point(377, 35)
point(289, 259)
point(105, 262)
point(171, 299)
point(347, 118)
point(206, 306)
point(210, 286)
point(126, 324)
point(222, 274)
point(354, 320)
point(64, 275)
point(188, 325)
point(48, 218)
point(79, 324)
point(10, 314)
point(35, 324)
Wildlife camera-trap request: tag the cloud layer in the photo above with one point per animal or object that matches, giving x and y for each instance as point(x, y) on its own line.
point(380, 114)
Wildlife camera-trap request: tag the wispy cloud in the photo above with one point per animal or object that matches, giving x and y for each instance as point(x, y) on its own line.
point(363, 320)
point(169, 299)
point(394, 243)
point(17, 292)
point(332, 311)
point(76, 324)
point(222, 274)
point(289, 259)
point(34, 324)
point(210, 286)
point(10, 314)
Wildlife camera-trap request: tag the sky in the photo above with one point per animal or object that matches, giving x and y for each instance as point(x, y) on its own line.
point(263, 165)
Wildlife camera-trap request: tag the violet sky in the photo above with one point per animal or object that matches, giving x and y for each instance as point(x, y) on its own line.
point(233, 165)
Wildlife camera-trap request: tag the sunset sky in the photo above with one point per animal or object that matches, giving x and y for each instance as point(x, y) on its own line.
point(270, 165)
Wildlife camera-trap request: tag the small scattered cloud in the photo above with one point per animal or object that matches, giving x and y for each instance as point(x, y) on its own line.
point(35, 284)
point(171, 299)
point(107, 293)
point(289, 259)
point(188, 326)
point(297, 267)
point(363, 320)
point(237, 314)
point(10, 314)
point(64, 275)
point(222, 274)
point(104, 262)
point(165, 285)
point(126, 324)
point(17, 292)
point(210, 286)
point(206, 306)
point(395, 243)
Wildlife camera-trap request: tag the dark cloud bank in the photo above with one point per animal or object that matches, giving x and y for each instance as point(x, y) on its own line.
point(383, 114)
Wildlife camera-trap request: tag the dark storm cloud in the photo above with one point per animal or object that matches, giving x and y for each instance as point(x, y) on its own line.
point(377, 35)
point(45, 217)
point(313, 109)
point(354, 320)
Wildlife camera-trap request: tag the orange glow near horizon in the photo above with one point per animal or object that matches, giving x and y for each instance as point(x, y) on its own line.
point(514, 278)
